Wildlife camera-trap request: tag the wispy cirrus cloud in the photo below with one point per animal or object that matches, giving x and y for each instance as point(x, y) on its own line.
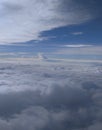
point(77, 45)
point(77, 33)
point(24, 20)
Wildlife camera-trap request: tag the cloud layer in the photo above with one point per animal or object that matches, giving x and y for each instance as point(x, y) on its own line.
point(24, 20)
point(50, 96)
point(80, 49)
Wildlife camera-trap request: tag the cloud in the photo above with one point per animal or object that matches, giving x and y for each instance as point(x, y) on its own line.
point(77, 33)
point(41, 56)
point(50, 96)
point(80, 49)
point(97, 126)
point(24, 20)
point(77, 45)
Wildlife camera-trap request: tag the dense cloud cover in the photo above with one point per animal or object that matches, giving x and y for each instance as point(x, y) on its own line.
point(51, 96)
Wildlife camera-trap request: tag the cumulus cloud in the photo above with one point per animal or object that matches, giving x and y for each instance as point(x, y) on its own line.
point(24, 20)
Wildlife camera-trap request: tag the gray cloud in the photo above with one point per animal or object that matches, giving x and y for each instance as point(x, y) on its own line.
point(80, 49)
point(50, 96)
point(10, 8)
point(97, 126)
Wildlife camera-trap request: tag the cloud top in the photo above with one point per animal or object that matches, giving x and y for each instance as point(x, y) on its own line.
point(51, 96)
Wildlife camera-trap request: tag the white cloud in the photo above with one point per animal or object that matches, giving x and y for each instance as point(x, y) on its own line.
point(77, 45)
point(24, 20)
point(77, 33)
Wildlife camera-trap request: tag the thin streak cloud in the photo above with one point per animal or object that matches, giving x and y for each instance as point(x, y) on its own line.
point(77, 45)
point(77, 33)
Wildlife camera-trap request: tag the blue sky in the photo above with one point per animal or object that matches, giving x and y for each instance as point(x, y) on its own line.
point(30, 26)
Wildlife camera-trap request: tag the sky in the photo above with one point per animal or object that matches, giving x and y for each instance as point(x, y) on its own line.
point(52, 27)
point(39, 88)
